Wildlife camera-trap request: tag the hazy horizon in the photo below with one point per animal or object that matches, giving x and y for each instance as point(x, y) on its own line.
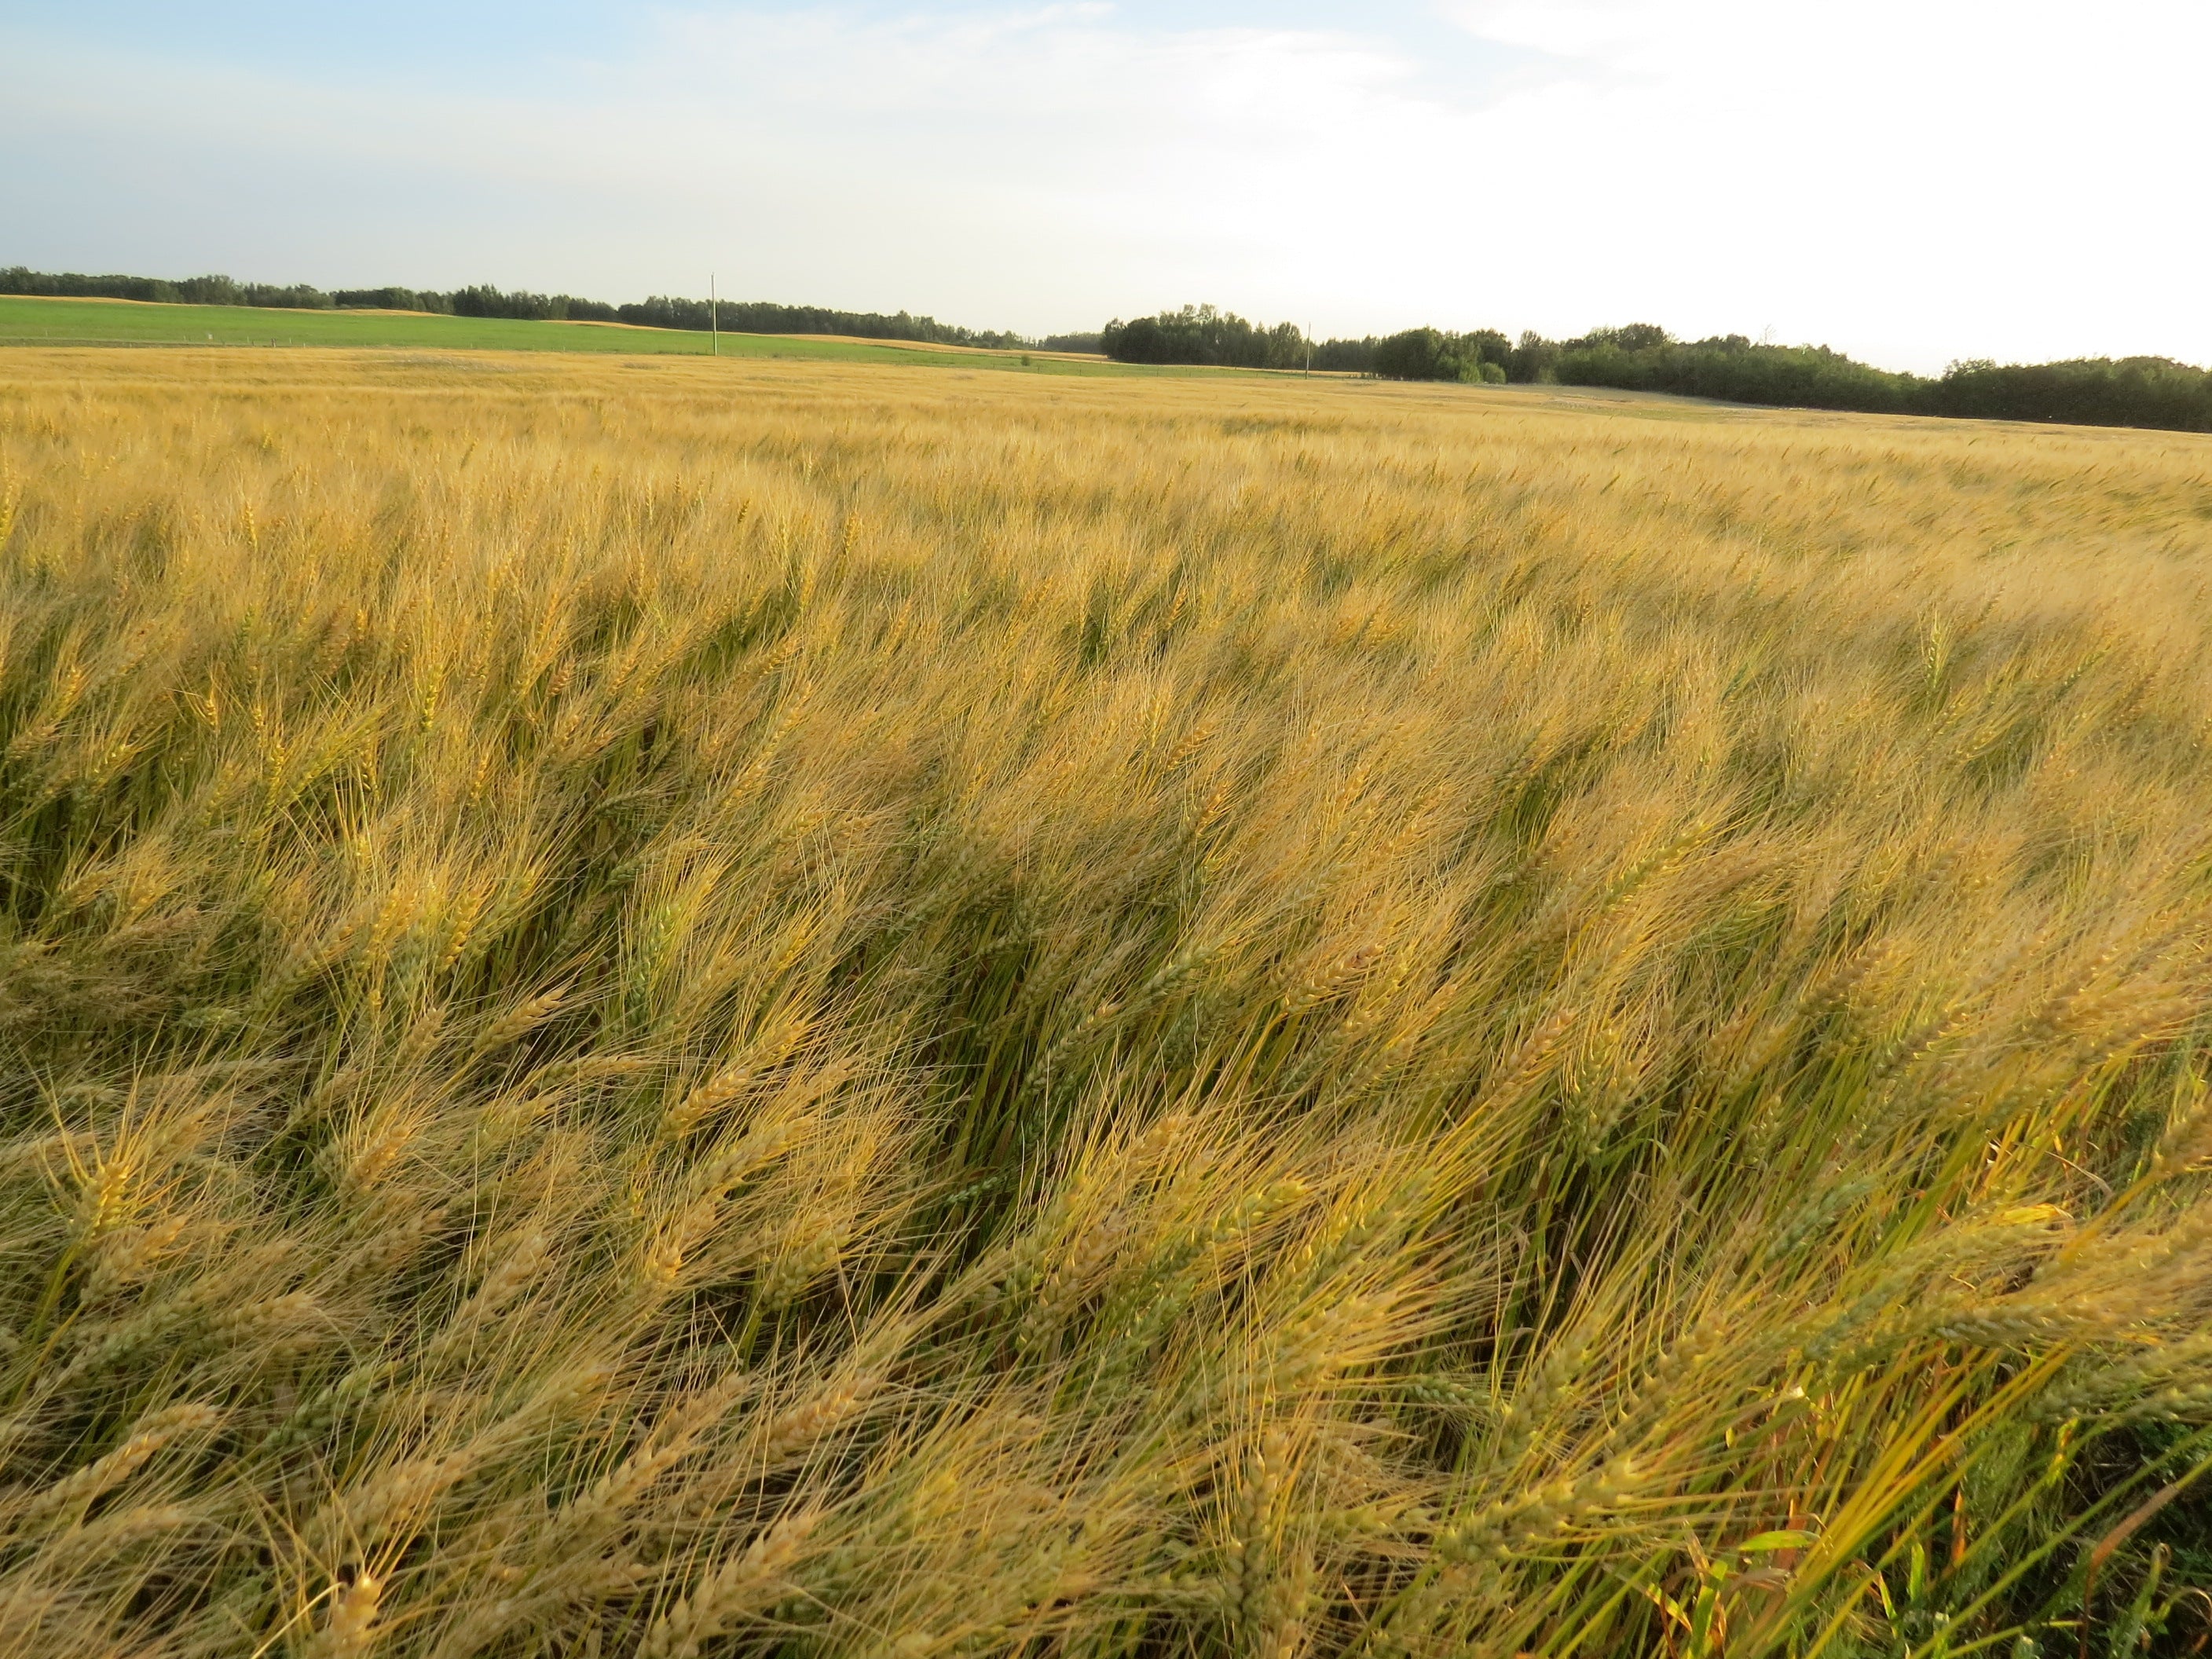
point(1910, 183)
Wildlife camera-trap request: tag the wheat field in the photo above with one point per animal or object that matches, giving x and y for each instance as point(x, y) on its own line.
point(726, 1008)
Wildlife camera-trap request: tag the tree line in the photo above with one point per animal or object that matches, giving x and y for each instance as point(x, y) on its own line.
point(1202, 335)
point(2140, 391)
point(662, 311)
point(191, 290)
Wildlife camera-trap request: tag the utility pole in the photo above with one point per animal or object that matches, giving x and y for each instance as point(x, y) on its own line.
point(1308, 351)
point(715, 313)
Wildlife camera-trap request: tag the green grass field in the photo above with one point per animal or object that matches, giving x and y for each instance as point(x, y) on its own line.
point(105, 322)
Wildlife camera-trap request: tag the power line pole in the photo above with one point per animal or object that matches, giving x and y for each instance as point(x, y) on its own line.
point(715, 313)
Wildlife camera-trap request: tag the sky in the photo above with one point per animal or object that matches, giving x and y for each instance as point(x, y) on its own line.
point(1912, 181)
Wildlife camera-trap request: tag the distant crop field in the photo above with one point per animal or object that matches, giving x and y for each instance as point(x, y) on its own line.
point(56, 322)
point(672, 1009)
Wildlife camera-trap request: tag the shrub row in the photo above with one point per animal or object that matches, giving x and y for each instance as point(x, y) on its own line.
point(2140, 391)
point(482, 300)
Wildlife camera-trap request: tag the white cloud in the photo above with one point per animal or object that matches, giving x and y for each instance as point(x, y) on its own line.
point(1910, 177)
point(1907, 180)
point(1567, 28)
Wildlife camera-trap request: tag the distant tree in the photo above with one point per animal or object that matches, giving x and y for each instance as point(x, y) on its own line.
point(1490, 346)
point(1415, 354)
point(379, 299)
point(1428, 354)
point(2155, 391)
point(1632, 337)
point(209, 291)
point(768, 317)
point(1204, 335)
point(484, 301)
point(1347, 356)
point(298, 296)
point(192, 290)
point(1532, 359)
point(1731, 367)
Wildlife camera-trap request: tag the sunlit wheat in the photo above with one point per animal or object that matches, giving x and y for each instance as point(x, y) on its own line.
point(697, 1009)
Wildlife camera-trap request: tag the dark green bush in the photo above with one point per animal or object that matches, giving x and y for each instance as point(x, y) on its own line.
point(1427, 354)
point(1205, 334)
point(2152, 392)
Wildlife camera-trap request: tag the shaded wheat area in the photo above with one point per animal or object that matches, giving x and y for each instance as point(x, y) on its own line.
point(747, 1010)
